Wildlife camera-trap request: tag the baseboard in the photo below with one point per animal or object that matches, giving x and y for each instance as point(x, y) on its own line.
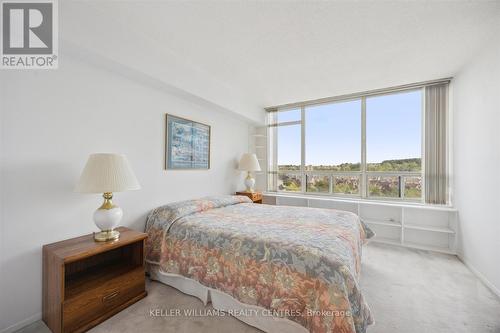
point(22, 323)
point(480, 276)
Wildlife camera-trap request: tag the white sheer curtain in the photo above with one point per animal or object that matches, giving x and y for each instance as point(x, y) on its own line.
point(436, 144)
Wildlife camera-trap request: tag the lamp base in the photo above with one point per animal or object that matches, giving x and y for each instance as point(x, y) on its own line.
point(107, 217)
point(249, 183)
point(106, 235)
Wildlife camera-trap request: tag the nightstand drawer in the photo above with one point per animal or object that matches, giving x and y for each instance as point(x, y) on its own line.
point(83, 308)
point(256, 197)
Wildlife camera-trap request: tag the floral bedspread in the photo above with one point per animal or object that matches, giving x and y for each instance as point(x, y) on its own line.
point(300, 263)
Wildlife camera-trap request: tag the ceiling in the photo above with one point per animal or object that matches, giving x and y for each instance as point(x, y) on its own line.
point(247, 55)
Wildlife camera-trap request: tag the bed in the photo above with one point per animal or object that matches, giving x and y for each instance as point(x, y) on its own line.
point(277, 268)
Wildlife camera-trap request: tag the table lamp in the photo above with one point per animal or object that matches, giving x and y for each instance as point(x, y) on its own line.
point(107, 173)
point(249, 163)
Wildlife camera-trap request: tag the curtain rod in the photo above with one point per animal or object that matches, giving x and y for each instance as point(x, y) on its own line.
point(359, 94)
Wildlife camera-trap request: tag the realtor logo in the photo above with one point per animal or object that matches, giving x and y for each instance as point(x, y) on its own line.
point(29, 34)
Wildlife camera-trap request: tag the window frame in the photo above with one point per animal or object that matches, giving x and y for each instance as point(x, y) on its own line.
point(363, 174)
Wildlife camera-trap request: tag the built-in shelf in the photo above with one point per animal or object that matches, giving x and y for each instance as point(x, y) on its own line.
point(429, 248)
point(387, 241)
point(95, 277)
point(445, 230)
point(257, 144)
point(413, 245)
point(419, 226)
point(382, 222)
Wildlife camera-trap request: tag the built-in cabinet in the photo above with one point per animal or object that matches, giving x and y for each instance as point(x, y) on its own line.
point(418, 226)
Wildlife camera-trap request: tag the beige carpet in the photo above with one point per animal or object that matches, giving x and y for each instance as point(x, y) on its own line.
point(408, 291)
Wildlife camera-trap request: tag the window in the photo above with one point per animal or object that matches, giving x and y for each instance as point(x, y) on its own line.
point(289, 142)
point(368, 146)
point(333, 136)
point(394, 132)
point(346, 184)
point(318, 183)
point(288, 116)
point(289, 182)
point(394, 144)
point(383, 186)
point(287, 130)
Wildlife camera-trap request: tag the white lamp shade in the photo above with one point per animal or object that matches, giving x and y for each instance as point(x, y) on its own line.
point(107, 173)
point(249, 162)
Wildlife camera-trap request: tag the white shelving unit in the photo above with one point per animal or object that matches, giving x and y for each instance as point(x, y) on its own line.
point(257, 144)
point(417, 226)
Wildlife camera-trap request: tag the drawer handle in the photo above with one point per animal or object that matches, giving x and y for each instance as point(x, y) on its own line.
point(110, 296)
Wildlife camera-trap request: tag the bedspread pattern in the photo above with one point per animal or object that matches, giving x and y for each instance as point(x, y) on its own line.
point(300, 263)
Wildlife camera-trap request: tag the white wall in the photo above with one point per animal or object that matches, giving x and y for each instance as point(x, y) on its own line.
point(476, 91)
point(51, 121)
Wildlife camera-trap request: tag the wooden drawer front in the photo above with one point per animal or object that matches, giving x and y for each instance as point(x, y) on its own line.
point(84, 308)
point(256, 196)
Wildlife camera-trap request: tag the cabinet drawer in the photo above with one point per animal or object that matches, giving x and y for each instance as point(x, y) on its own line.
point(254, 196)
point(95, 302)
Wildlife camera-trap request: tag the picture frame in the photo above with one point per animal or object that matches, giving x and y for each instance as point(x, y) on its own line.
point(187, 144)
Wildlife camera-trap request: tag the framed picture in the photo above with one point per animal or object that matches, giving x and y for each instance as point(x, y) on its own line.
point(187, 144)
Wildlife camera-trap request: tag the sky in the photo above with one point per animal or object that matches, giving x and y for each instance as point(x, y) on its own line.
point(333, 131)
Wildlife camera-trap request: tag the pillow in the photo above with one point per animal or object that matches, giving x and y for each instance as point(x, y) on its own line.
point(163, 217)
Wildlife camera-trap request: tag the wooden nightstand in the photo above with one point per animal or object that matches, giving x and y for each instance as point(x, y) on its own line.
point(85, 282)
point(256, 197)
